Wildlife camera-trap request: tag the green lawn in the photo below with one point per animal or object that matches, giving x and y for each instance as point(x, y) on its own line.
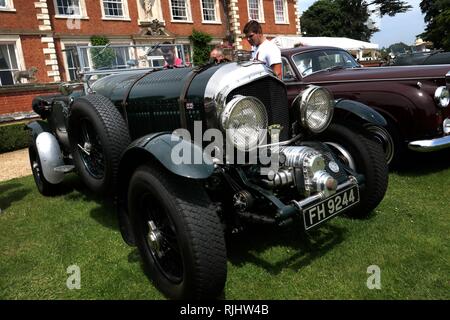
point(408, 237)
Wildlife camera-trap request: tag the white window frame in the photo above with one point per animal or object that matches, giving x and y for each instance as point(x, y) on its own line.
point(15, 40)
point(217, 19)
point(124, 17)
point(83, 12)
point(260, 9)
point(9, 6)
point(72, 43)
point(124, 43)
point(188, 13)
point(285, 12)
point(86, 42)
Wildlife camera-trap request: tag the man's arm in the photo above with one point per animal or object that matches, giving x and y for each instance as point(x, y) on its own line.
point(277, 69)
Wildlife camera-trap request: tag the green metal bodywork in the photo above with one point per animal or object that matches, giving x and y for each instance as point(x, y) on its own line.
point(152, 98)
point(152, 110)
point(161, 146)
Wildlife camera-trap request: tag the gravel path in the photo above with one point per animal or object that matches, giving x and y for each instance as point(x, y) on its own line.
point(14, 165)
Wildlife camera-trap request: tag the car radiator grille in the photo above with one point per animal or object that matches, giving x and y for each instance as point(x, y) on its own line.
point(273, 94)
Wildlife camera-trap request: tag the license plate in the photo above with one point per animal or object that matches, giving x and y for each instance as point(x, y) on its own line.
point(326, 209)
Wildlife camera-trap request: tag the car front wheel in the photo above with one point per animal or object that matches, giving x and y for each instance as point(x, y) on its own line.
point(179, 236)
point(354, 147)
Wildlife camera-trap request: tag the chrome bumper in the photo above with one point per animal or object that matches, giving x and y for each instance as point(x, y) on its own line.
point(430, 145)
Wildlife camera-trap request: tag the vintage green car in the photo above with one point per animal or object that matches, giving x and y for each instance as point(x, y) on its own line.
point(192, 154)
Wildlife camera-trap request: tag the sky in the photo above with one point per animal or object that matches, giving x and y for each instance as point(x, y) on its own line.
point(402, 27)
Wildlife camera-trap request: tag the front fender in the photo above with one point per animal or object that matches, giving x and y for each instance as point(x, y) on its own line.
point(165, 148)
point(51, 157)
point(159, 147)
point(37, 127)
point(346, 107)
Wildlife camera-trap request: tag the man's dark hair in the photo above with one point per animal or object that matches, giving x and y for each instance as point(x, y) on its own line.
point(166, 49)
point(252, 26)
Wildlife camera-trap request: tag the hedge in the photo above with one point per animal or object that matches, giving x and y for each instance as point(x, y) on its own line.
point(13, 137)
point(201, 48)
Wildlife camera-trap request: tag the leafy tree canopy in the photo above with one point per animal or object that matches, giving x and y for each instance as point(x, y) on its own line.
point(399, 47)
point(347, 18)
point(102, 57)
point(201, 46)
point(437, 18)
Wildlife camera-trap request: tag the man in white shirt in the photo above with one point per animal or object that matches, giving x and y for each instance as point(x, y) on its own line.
point(263, 49)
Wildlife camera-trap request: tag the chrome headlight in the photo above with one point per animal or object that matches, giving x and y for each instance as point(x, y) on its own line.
point(316, 106)
point(442, 97)
point(245, 121)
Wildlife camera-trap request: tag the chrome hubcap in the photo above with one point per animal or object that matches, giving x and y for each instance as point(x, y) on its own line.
point(154, 238)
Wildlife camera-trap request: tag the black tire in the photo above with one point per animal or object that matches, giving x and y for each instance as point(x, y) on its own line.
point(45, 188)
point(356, 148)
point(98, 135)
point(390, 141)
point(188, 257)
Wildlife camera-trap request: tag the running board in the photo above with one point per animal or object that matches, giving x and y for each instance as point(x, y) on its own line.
point(64, 169)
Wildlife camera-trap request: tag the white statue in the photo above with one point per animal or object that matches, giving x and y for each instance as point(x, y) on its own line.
point(147, 5)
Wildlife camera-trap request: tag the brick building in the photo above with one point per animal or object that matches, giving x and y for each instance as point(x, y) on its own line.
point(37, 33)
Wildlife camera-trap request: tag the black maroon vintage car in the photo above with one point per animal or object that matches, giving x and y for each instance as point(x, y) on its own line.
point(179, 192)
point(413, 99)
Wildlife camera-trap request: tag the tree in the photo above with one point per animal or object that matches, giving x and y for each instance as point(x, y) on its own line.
point(201, 46)
point(399, 47)
point(347, 18)
point(437, 18)
point(102, 57)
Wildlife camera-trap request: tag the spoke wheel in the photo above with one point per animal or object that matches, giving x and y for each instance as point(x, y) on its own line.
point(178, 234)
point(342, 154)
point(98, 135)
point(91, 150)
point(354, 147)
point(161, 238)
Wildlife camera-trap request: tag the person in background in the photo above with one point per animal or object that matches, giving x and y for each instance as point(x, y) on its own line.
point(170, 57)
point(216, 56)
point(263, 49)
point(305, 66)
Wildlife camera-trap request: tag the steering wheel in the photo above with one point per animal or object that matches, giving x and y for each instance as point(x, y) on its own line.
point(305, 72)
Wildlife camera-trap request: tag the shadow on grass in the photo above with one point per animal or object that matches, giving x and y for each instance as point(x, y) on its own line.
point(105, 213)
point(247, 247)
point(417, 164)
point(302, 248)
point(10, 193)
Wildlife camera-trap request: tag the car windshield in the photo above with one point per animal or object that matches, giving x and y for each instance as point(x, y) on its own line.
point(90, 63)
point(314, 61)
point(114, 58)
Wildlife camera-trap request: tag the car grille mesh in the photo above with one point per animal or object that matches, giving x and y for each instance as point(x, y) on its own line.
point(273, 94)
